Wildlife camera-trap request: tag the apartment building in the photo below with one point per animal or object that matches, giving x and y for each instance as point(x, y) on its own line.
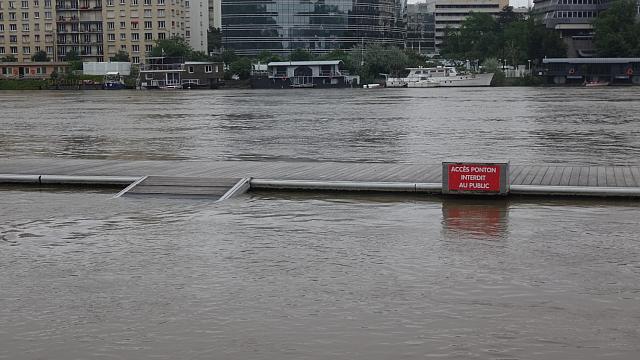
point(133, 26)
point(197, 24)
point(94, 29)
point(26, 27)
point(451, 13)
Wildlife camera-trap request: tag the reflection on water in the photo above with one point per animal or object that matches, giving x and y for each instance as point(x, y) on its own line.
point(484, 218)
point(316, 276)
point(523, 125)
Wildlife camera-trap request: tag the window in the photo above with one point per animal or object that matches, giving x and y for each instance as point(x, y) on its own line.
point(47, 15)
point(208, 68)
point(148, 48)
point(123, 25)
point(26, 50)
point(111, 37)
point(134, 2)
point(161, 36)
point(147, 12)
point(47, 4)
point(1, 27)
point(135, 48)
point(160, 2)
point(36, 15)
point(148, 76)
point(148, 24)
point(12, 16)
point(25, 16)
point(188, 33)
point(135, 59)
point(13, 38)
point(49, 49)
point(161, 25)
point(123, 47)
point(25, 27)
point(13, 27)
point(122, 2)
point(36, 38)
point(25, 4)
point(135, 37)
point(148, 36)
point(48, 27)
point(14, 49)
point(123, 36)
point(134, 25)
point(111, 25)
point(1, 49)
point(147, 2)
point(109, 2)
point(190, 69)
point(160, 12)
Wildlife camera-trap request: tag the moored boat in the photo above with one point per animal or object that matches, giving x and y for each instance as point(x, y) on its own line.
point(441, 76)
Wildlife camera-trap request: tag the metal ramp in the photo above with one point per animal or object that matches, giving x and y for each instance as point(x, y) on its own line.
point(219, 188)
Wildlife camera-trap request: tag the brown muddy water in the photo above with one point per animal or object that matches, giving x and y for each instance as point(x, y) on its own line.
point(319, 276)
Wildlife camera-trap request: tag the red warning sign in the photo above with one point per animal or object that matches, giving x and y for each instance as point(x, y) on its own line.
point(475, 178)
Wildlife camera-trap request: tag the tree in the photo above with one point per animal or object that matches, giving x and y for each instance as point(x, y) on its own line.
point(228, 56)
point(266, 56)
point(175, 46)
point(241, 67)
point(616, 30)
point(72, 55)
point(300, 55)
point(121, 56)
point(214, 39)
point(40, 56)
point(9, 58)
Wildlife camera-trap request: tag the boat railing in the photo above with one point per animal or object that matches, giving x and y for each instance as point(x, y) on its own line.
point(161, 67)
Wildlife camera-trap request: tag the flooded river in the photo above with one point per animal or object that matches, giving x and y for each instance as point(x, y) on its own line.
point(319, 276)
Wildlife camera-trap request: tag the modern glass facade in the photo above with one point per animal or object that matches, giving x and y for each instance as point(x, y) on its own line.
point(280, 26)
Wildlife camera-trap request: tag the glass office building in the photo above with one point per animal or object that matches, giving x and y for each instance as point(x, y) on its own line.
point(280, 26)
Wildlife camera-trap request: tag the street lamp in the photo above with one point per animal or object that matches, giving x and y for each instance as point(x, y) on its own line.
point(529, 66)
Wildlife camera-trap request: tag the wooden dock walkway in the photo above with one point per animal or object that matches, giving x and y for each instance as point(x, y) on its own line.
point(534, 179)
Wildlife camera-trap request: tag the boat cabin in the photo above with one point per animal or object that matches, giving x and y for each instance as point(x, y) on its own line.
point(174, 73)
point(302, 74)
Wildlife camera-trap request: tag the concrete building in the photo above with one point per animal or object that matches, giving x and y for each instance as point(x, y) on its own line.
point(133, 26)
point(451, 13)
point(96, 29)
point(215, 13)
point(26, 27)
point(197, 24)
point(32, 70)
point(421, 27)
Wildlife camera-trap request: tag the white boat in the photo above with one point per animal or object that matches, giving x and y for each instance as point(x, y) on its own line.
point(441, 76)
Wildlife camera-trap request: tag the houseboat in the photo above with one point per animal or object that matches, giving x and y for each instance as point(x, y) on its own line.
point(174, 73)
point(113, 81)
point(441, 76)
point(304, 74)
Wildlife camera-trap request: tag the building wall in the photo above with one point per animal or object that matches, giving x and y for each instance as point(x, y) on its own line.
point(421, 27)
point(27, 27)
point(215, 13)
point(280, 26)
point(197, 24)
point(134, 25)
point(95, 29)
point(451, 13)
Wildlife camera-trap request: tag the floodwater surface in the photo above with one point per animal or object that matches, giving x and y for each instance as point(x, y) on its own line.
point(319, 276)
point(278, 276)
point(522, 125)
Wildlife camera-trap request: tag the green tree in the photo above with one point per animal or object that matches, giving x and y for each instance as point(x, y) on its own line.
point(617, 30)
point(241, 67)
point(40, 56)
point(266, 56)
point(121, 56)
point(214, 39)
point(300, 55)
point(229, 56)
point(9, 58)
point(175, 46)
point(72, 56)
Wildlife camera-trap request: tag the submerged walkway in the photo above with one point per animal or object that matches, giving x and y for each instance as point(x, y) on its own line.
point(524, 179)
